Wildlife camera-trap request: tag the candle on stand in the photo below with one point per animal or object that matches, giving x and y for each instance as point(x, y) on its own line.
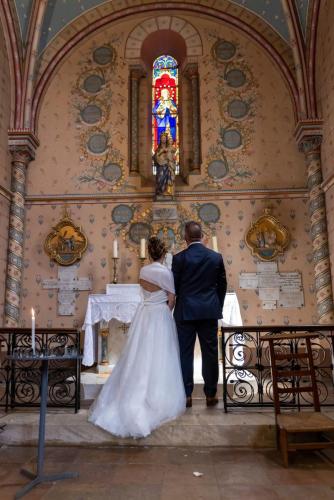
point(214, 243)
point(142, 248)
point(33, 330)
point(115, 250)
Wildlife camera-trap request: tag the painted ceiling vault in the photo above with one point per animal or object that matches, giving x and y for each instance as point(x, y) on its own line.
point(60, 13)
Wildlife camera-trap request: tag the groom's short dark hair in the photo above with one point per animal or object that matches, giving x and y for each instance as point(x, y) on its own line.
point(192, 231)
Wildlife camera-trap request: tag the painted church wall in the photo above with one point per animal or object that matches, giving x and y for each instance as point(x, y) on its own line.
point(325, 101)
point(83, 123)
point(71, 161)
point(97, 221)
point(4, 165)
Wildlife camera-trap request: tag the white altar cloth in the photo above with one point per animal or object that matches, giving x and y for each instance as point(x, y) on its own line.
point(231, 311)
point(122, 305)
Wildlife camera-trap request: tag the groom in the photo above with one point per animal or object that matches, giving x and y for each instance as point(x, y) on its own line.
point(200, 287)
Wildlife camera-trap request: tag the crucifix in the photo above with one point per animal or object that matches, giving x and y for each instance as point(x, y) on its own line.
point(67, 284)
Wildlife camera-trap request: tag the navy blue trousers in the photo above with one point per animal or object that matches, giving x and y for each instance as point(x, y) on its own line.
point(207, 334)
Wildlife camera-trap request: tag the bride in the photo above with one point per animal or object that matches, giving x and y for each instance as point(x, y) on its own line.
point(146, 388)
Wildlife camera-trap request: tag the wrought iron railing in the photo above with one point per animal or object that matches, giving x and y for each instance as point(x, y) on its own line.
point(247, 367)
point(20, 380)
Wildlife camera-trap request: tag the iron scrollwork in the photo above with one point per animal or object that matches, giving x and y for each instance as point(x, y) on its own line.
point(247, 366)
point(20, 380)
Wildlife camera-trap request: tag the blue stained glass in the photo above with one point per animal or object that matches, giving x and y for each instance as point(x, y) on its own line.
point(164, 61)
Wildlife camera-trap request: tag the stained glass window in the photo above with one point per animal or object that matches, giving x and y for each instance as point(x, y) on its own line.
point(165, 102)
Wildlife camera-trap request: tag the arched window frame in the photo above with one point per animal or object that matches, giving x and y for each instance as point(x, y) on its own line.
point(165, 79)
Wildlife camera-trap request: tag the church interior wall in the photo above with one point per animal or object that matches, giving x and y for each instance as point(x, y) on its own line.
point(325, 102)
point(86, 165)
point(96, 220)
point(5, 111)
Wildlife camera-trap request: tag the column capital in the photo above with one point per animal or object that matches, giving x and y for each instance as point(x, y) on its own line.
point(137, 72)
point(22, 144)
point(310, 144)
point(308, 135)
point(191, 70)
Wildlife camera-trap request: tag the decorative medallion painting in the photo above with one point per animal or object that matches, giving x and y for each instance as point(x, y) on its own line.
point(267, 237)
point(66, 243)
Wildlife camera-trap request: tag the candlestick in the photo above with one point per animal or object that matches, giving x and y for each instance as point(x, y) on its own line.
point(214, 243)
point(33, 330)
point(115, 250)
point(115, 274)
point(142, 248)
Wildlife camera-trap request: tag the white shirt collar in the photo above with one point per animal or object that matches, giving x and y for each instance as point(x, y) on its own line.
point(194, 243)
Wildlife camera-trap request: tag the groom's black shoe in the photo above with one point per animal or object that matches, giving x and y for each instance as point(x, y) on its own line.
point(211, 401)
point(189, 402)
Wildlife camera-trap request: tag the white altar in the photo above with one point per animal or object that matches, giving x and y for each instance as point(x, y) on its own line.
point(120, 304)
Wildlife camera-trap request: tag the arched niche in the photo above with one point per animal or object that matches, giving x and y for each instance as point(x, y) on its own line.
point(152, 38)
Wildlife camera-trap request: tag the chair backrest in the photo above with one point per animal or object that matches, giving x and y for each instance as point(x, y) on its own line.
point(289, 366)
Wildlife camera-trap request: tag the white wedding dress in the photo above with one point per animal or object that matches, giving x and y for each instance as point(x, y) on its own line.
point(145, 388)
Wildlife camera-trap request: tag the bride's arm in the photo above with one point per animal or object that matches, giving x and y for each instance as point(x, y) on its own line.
point(171, 300)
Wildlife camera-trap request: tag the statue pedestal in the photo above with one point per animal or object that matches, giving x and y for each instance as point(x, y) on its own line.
point(164, 210)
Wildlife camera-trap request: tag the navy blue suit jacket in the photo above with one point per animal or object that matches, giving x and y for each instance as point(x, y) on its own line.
point(200, 283)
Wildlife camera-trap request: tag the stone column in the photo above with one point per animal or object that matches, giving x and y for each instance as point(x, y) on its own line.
point(136, 73)
point(22, 147)
point(191, 71)
point(310, 145)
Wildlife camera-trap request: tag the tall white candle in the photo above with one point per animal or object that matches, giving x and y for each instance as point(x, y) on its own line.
point(115, 250)
point(142, 248)
point(214, 243)
point(33, 342)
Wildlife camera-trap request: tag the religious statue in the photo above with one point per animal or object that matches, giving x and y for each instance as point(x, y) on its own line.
point(165, 112)
point(165, 162)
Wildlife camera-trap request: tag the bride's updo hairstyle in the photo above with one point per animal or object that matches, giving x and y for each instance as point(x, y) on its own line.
point(156, 248)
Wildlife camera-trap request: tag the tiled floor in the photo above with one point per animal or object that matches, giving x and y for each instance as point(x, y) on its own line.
point(148, 473)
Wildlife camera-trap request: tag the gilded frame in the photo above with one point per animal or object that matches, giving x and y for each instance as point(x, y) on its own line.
point(267, 237)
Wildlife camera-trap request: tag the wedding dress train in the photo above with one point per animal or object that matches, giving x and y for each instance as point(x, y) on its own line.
point(145, 388)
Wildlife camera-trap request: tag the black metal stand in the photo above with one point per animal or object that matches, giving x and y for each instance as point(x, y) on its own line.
point(40, 477)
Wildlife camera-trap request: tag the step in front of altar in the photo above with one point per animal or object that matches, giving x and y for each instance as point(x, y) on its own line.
point(92, 383)
point(199, 426)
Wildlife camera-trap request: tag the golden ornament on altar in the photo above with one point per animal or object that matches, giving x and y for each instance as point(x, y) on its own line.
point(66, 243)
point(267, 237)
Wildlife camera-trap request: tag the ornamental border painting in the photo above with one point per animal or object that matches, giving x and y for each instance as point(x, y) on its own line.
point(66, 243)
point(267, 237)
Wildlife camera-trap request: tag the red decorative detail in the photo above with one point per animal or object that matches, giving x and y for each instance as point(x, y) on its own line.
point(298, 42)
point(312, 54)
point(164, 82)
point(12, 44)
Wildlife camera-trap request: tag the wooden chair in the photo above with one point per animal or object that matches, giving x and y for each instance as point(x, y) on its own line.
point(299, 367)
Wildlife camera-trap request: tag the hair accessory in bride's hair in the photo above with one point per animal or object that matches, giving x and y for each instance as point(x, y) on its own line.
point(156, 248)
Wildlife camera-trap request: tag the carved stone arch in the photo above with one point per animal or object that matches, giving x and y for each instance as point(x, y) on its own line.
point(185, 29)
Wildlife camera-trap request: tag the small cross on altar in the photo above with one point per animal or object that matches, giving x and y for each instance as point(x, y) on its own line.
point(67, 285)
point(124, 327)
